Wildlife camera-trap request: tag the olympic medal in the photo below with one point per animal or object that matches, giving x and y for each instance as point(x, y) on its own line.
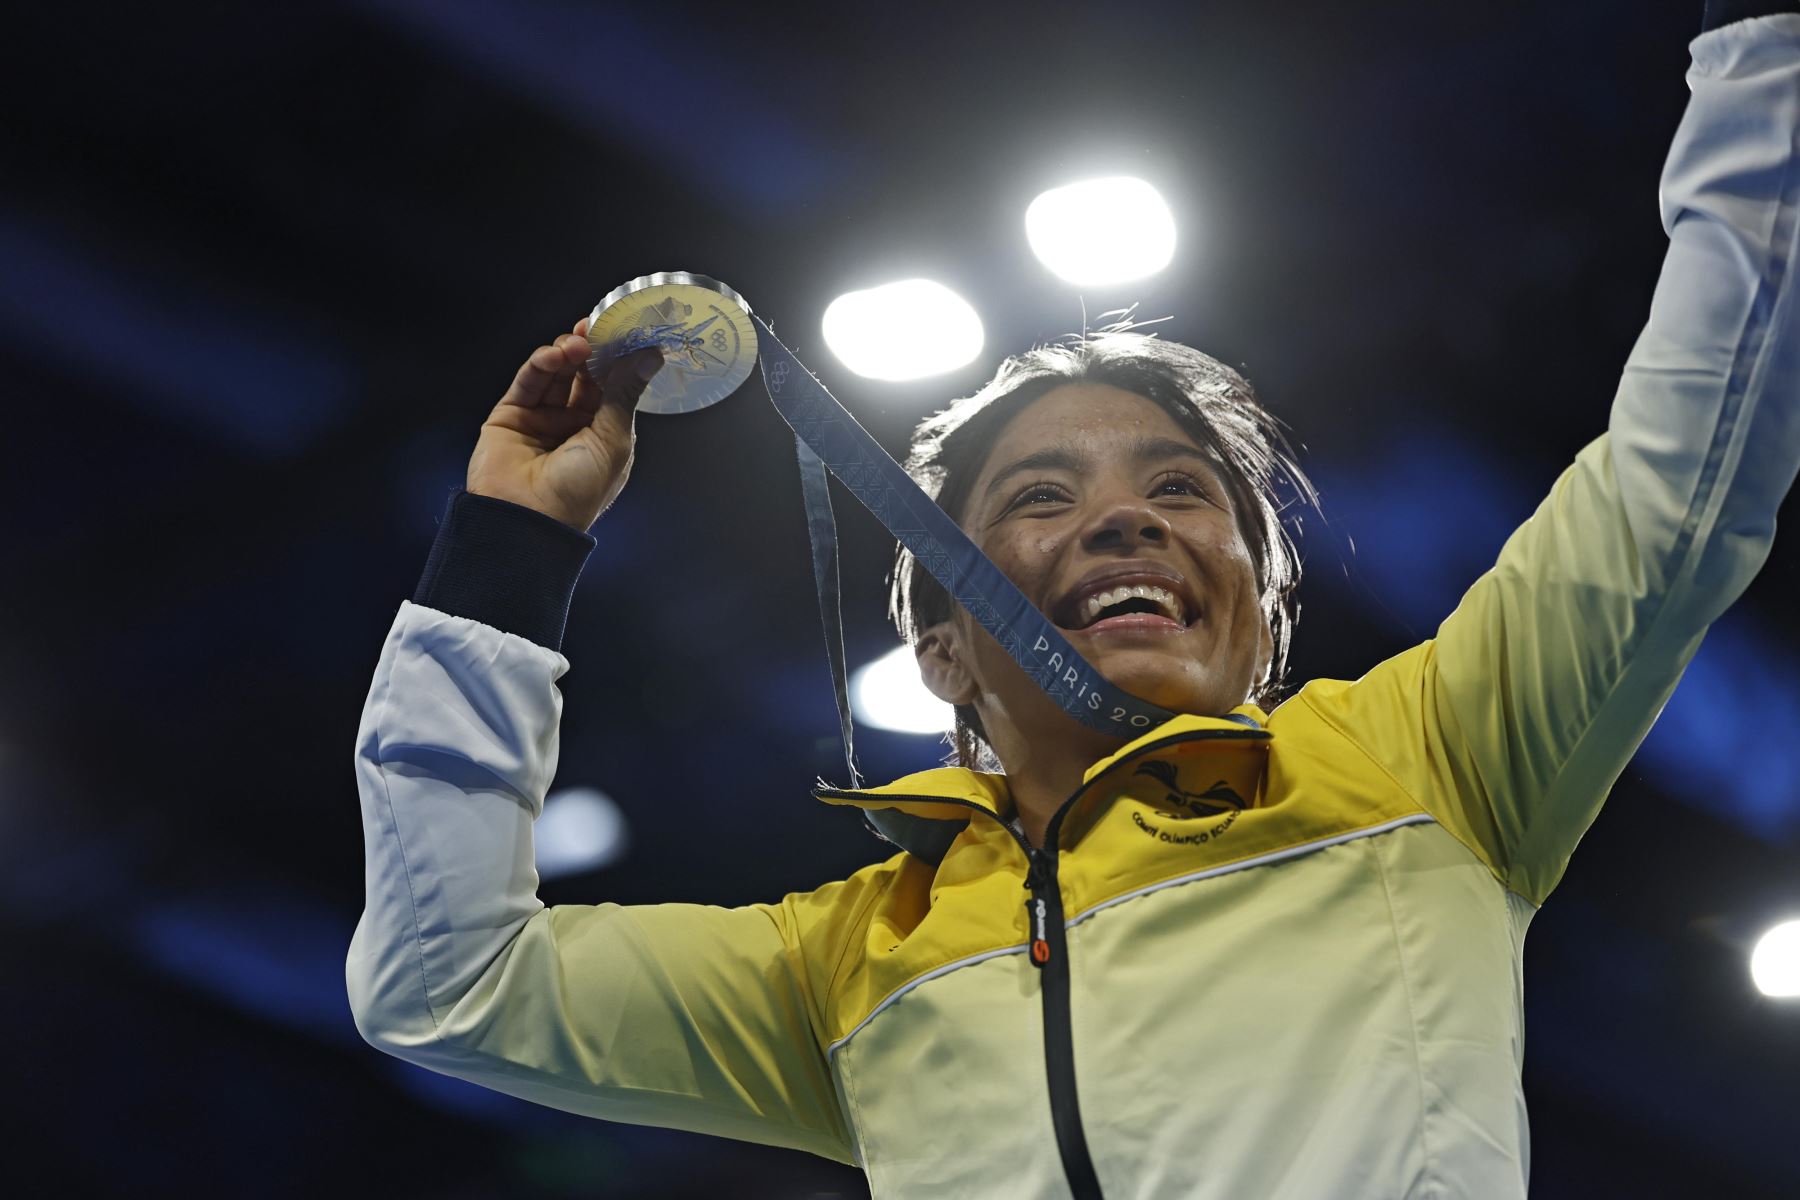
point(702, 327)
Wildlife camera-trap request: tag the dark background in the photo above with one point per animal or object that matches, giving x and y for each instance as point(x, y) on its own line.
point(267, 268)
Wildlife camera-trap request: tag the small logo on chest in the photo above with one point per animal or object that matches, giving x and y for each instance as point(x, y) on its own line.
point(1218, 800)
point(1215, 801)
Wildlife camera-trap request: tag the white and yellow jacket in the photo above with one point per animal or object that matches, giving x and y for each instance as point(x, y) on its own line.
point(1280, 953)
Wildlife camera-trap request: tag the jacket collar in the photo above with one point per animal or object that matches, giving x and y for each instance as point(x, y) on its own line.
point(923, 812)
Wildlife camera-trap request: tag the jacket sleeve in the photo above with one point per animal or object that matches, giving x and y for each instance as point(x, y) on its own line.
point(681, 1015)
point(1512, 724)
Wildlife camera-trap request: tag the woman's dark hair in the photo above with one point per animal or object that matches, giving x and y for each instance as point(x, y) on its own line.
point(1213, 403)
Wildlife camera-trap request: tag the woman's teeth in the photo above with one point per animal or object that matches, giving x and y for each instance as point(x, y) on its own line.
point(1162, 598)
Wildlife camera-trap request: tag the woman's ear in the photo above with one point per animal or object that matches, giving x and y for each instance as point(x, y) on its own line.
point(941, 665)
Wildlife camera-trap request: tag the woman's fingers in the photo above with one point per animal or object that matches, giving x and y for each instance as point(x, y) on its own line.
point(557, 376)
point(615, 397)
point(544, 378)
point(584, 393)
point(621, 380)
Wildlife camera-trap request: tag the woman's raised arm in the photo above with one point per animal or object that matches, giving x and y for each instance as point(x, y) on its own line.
point(1512, 724)
point(681, 1015)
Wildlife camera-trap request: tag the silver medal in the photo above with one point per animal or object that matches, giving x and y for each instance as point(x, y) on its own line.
point(702, 327)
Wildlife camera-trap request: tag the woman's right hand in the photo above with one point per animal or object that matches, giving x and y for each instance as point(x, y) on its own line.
point(558, 441)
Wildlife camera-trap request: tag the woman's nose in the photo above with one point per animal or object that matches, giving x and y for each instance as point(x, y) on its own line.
point(1126, 522)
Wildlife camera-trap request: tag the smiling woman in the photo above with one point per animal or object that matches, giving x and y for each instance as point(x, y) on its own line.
point(1246, 952)
point(1213, 426)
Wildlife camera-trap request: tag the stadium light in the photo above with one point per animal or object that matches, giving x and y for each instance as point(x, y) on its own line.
point(581, 829)
point(889, 694)
point(908, 329)
point(1102, 231)
point(1775, 963)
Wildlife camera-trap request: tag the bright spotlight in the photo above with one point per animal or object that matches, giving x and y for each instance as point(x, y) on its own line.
point(889, 694)
point(1102, 230)
point(904, 330)
point(581, 829)
point(1775, 963)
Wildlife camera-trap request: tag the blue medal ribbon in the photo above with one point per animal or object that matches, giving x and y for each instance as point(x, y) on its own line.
point(830, 438)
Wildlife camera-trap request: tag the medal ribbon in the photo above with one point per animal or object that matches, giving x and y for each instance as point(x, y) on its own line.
point(830, 438)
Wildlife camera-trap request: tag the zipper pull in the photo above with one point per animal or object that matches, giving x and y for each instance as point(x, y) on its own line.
point(1042, 875)
point(1040, 944)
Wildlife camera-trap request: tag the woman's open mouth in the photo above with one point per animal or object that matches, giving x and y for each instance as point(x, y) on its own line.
point(1137, 607)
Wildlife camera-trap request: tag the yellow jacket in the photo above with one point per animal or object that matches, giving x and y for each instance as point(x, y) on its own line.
point(1281, 951)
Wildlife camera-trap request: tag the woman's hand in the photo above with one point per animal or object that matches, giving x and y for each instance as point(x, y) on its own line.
point(557, 441)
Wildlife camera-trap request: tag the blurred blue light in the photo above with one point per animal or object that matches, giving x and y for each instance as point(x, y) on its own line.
point(225, 371)
point(275, 956)
point(1724, 741)
point(651, 78)
point(1430, 514)
point(1427, 517)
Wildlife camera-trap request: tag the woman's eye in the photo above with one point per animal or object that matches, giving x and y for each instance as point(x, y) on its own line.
point(1181, 484)
point(1037, 494)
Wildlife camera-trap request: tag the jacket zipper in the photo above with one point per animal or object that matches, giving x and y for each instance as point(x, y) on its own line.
point(1049, 953)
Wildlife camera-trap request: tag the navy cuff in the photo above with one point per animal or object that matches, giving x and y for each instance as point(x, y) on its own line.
point(1724, 12)
point(504, 565)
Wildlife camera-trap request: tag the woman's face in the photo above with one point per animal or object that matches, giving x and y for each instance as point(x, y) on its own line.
point(1089, 490)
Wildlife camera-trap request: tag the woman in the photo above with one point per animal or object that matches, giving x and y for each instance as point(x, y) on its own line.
point(1248, 953)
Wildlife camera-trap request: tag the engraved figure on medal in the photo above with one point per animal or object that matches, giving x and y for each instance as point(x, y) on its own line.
point(701, 326)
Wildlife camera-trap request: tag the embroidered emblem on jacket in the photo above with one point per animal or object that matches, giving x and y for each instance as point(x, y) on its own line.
point(1214, 801)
